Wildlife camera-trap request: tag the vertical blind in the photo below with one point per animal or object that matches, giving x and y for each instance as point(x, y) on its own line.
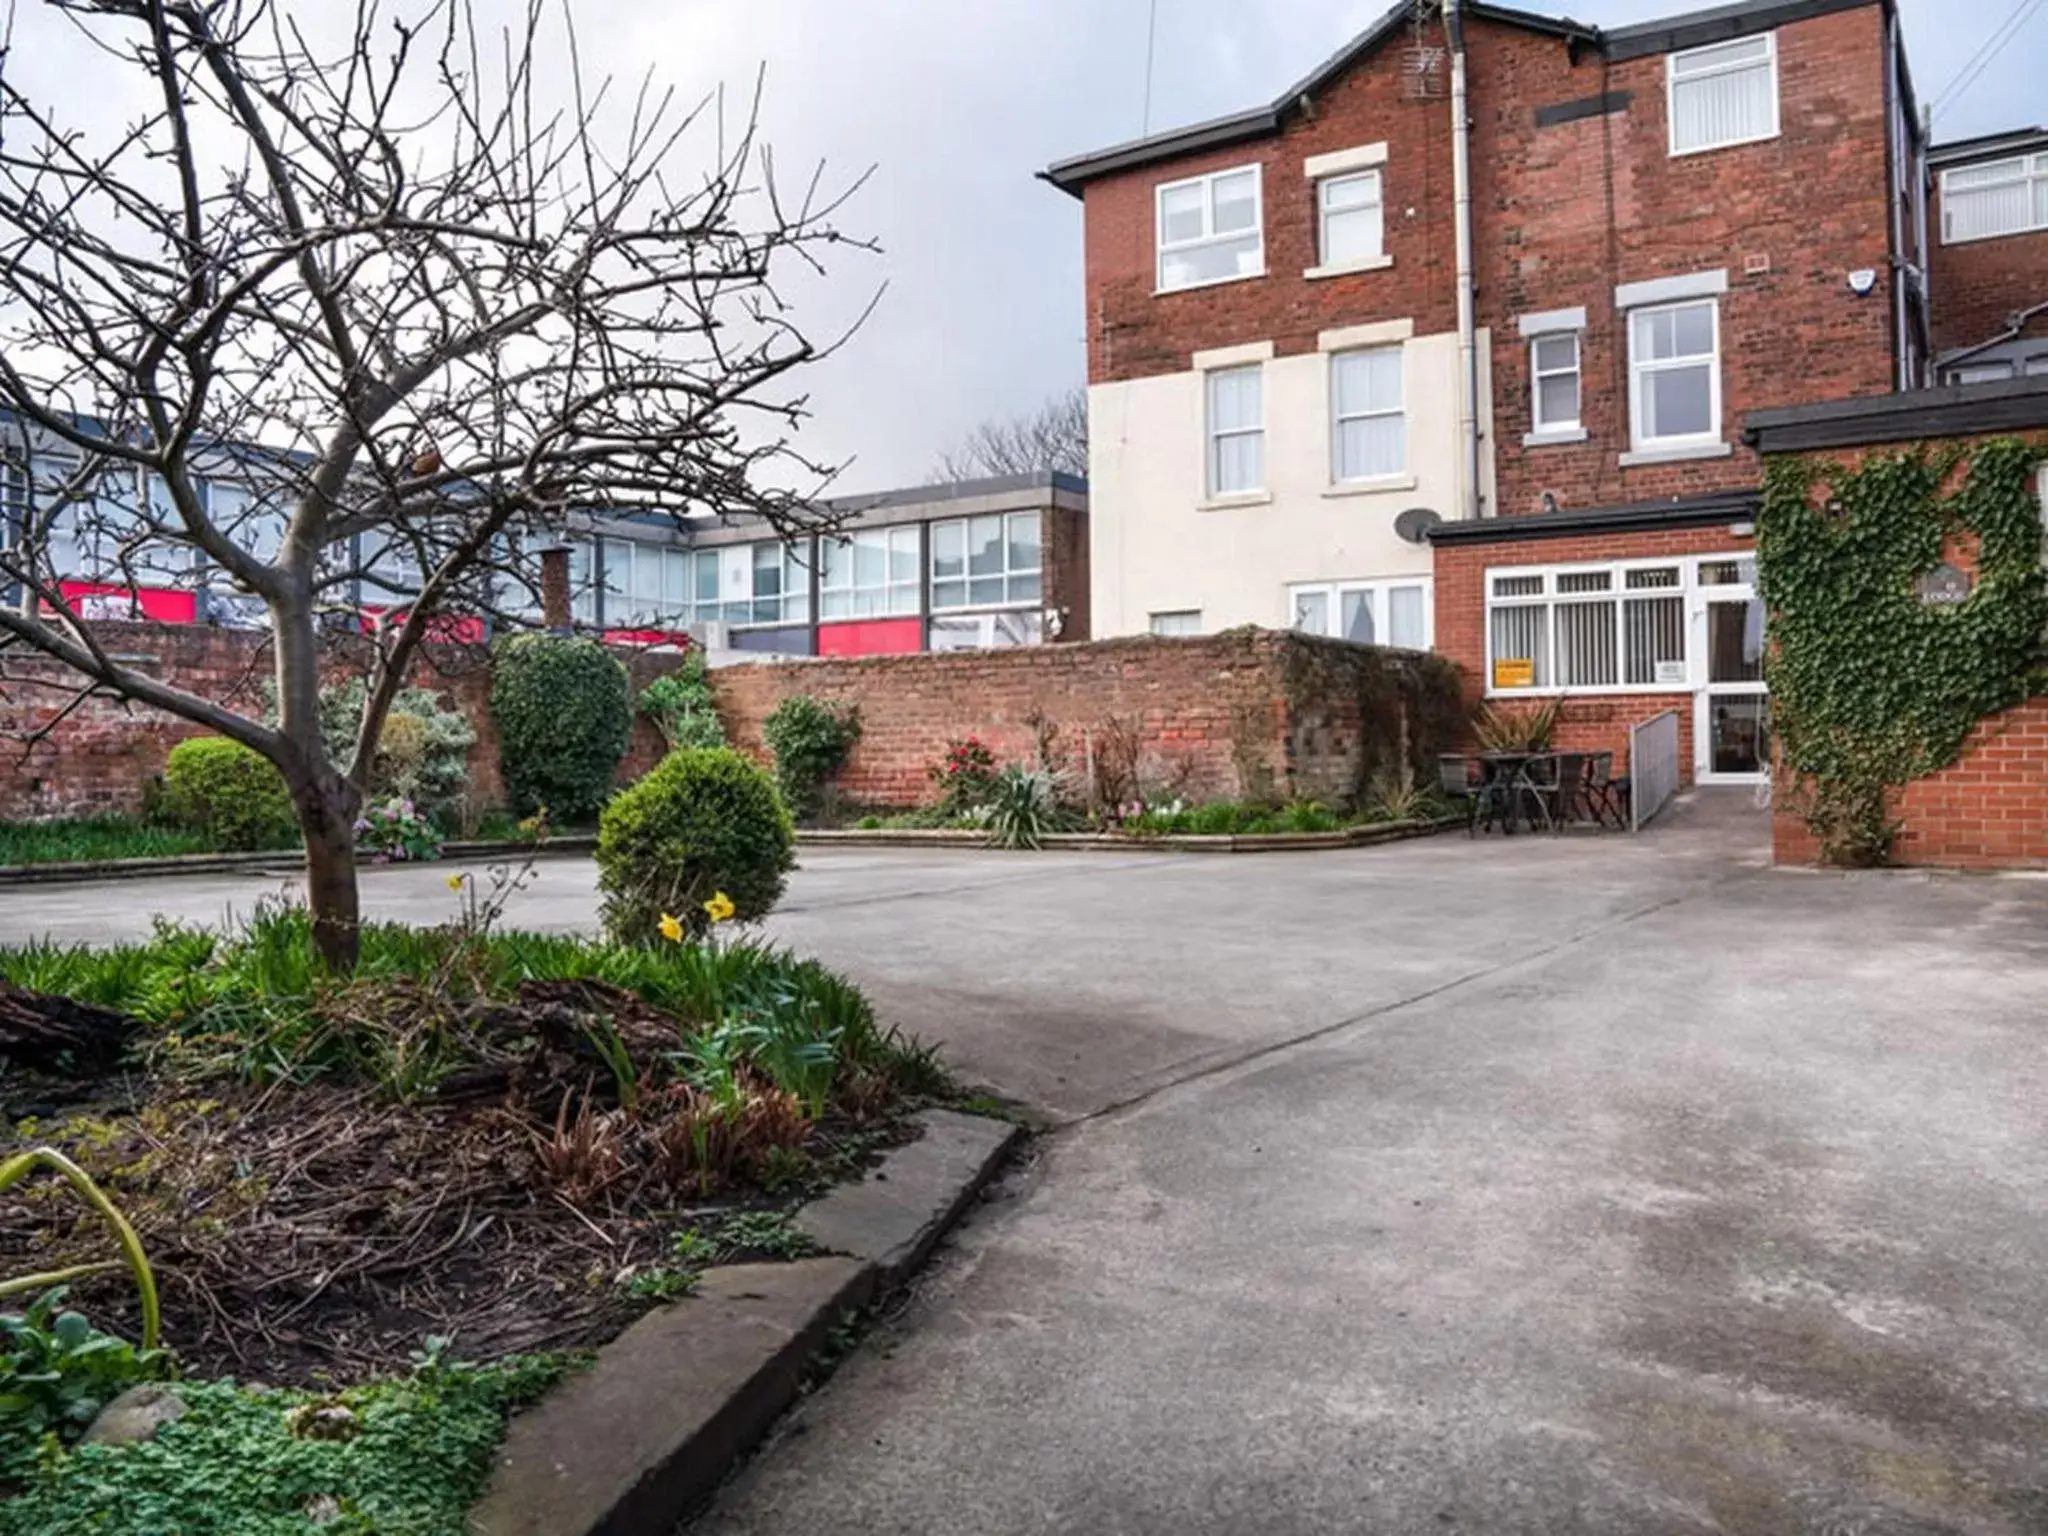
point(1725, 94)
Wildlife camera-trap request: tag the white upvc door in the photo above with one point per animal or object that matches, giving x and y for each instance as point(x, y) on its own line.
point(1731, 704)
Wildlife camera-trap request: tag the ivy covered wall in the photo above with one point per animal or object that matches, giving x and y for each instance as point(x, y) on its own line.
point(1882, 663)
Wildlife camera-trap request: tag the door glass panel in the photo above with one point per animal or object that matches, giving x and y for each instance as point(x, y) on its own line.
point(1740, 739)
point(1735, 642)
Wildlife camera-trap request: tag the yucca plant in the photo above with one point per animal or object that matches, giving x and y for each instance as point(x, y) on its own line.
point(1023, 807)
point(1395, 796)
point(1519, 730)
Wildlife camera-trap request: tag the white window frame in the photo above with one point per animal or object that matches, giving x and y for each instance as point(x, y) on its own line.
point(1010, 574)
point(1641, 368)
point(897, 599)
point(1326, 262)
point(1162, 248)
point(1672, 62)
point(1687, 590)
point(2026, 171)
point(1181, 622)
point(1380, 589)
point(1538, 427)
point(1212, 461)
point(1338, 419)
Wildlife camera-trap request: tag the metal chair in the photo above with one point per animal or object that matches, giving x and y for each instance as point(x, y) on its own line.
point(1554, 784)
point(1605, 794)
point(1455, 780)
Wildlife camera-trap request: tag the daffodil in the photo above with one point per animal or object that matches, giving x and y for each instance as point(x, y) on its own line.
point(671, 928)
point(455, 882)
point(719, 908)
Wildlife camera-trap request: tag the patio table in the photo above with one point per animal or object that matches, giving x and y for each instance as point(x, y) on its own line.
point(1507, 781)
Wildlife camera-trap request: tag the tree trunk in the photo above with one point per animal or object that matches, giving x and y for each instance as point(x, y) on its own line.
point(327, 820)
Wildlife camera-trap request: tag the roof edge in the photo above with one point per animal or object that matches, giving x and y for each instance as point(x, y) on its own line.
point(1688, 512)
point(1957, 410)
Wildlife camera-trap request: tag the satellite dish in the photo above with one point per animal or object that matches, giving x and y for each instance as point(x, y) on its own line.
point(1415, 524)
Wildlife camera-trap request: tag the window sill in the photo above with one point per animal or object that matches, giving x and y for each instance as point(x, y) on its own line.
point(1709, 149)
point(1554, 437)
point(1344, 268)
point(1594, 691)
point(1373, 487)
point(1214, 282)
point(1676, 455)
point(1241, 499)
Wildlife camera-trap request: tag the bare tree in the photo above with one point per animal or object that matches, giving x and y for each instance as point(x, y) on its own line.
point(375, 311)
point(1055, 436)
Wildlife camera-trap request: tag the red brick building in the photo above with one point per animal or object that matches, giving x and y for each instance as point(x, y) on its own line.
point(1669, 226)
point(1989, 211)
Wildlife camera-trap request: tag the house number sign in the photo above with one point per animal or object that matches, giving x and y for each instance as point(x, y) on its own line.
point(1944, 585)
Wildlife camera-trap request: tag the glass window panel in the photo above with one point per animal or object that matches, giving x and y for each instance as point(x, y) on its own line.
point(1181, 212)
point(985, 547)
point(1739, 738)
point(949, 594)
point(1586, 645)
point(1518, 586)
point(1522, 634)
point(903, 555)
point(1024, 588)
point(1237, 202)
point(1585, 581)
point(1649, 577)
point(1692, 330)
point(1211, 262)
point(1312, 610)
point(1368, 381)
point(675, 582)
point(1723, 94)
point(870, 560)
point(1234, 399)
point(1180, 621)
point(985, 591)
point(1653, 633)
point(1371, 447)
point(1407, 618)
point(1557, 400)
point(1678, 402)
point(1735, 642)
point(1554, 353)
point(1727, 573)
point(767, 570)
point(1239, 463)
point(949, 550)
point(1023, 540)
point(1355, 611)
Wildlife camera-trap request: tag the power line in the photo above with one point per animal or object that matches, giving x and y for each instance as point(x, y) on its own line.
point(1151, 41)
point(1982, 59)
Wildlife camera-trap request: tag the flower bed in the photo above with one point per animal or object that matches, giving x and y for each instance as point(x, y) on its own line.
point(514, 1141)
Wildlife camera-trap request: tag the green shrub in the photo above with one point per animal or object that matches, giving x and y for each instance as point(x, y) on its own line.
point(57, 1372)
point(682, 706)
point(705, 820)
point(422, 752)
point(1023, 806)
point(232, 794)
point(564, 714)
point(811, 741)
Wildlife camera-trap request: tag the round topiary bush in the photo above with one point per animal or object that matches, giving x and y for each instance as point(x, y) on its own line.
point(564, 712)
point(705, 820)
point(232, 794)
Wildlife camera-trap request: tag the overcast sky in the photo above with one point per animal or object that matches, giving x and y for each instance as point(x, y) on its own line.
point(956, 103)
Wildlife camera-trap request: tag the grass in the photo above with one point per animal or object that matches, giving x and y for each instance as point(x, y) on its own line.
point(232, 1466)
point(253, 1003)
point(92, 839)
point(1230, 818)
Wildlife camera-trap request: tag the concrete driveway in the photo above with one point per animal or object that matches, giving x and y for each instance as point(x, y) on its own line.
point(1531, 1186)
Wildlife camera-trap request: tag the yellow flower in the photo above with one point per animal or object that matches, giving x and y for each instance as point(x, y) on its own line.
point(671, 928)
point(455, 882)
point(719, 908)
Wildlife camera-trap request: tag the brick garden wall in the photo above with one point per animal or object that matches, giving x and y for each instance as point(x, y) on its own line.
point(1989, 810)
point(1248, 714)
point(100, 757)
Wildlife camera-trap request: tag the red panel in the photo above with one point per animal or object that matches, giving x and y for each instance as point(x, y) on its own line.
point(871, 637)
point(646, 639)
point(161, 604)
point(442, 629)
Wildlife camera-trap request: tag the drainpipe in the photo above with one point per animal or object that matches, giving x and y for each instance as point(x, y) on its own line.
point(1461, 187)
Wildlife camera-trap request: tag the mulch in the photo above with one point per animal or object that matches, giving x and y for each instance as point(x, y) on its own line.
point(312, 1234)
